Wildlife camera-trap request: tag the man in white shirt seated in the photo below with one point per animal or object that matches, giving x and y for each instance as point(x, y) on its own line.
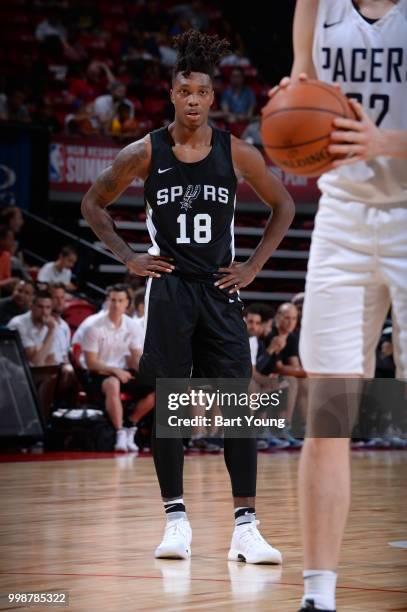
point(67, 382)
point(63, 332)
point(37, 329)
point(60, 271)
point(38, 332)
point(112, 345)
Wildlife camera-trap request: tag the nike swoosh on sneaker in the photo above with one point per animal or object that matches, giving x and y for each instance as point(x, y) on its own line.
point(329, 25)
point(165, 170)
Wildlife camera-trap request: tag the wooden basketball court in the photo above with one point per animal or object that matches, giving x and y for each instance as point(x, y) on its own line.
point(90, 527)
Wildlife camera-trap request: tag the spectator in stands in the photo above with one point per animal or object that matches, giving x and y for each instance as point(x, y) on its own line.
point(260, 382)
point(74, 51)
point(12, 217)
point(112, 347)
point(281, 357)
point(385, 367)
point(60, 271)
point(87, 87)
point(106, 106)
point(37, 329)
point(63, 332)
point(266, 313)
point(67, 383)
point(282, 345)
point(238, 100)
point(7, 247)
point(50, 27)
point(79, 333)
point(298, 301)
point(13, 107)
point(82, 120)
point(18, 303)
point(254, 329)
point(123, 126)
point(139, 307)
point(254, 324)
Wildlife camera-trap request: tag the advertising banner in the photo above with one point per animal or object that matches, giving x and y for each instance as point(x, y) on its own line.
point(75, 163)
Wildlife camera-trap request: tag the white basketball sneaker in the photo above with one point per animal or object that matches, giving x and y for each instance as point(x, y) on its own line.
point(176, 543)
point(131, 445)
point(249, 545)
point(121, 441)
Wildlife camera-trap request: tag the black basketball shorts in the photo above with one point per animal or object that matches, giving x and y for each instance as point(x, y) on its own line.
point(193, 329)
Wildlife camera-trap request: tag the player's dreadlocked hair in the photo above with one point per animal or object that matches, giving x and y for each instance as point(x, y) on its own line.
point(198, 52)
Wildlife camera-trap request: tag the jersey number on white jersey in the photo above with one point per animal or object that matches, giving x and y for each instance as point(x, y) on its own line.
point(376, 101)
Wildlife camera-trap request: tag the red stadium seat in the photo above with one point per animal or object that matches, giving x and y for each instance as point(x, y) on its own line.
point(76, 311)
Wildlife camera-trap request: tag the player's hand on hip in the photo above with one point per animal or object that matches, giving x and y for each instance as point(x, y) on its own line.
point(235, 277)
point(150, 265)
point(356, 139)
point(285, 82)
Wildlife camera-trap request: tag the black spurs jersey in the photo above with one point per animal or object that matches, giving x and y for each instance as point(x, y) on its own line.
point(190, 206)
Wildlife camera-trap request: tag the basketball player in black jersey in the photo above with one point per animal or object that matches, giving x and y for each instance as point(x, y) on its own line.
point(194, 315)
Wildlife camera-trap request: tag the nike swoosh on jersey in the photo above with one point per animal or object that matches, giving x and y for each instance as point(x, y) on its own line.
point(329, 25)
point(165, 170)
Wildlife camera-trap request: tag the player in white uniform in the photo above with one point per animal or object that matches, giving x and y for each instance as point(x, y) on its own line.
point(358, 260)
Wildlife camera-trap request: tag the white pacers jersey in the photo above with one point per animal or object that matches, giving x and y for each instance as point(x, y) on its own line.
point(369, 62)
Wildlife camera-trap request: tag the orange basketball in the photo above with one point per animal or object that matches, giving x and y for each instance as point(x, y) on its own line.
point(296, 125)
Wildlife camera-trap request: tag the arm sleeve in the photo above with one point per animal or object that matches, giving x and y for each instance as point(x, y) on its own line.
point(43, 275)
point(137, 337)
point(90, 340)
point(26, 341)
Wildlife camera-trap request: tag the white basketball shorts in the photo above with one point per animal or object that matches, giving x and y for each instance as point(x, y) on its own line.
point(357, 269)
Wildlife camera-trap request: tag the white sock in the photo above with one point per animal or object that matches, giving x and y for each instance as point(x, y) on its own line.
point(319, 586)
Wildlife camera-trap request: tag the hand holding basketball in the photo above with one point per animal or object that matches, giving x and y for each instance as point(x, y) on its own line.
point(359, 139)
point(297, 123)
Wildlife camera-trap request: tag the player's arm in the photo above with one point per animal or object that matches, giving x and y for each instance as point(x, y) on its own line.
point(132, 162)
point(303, 35)
point(250, 164)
